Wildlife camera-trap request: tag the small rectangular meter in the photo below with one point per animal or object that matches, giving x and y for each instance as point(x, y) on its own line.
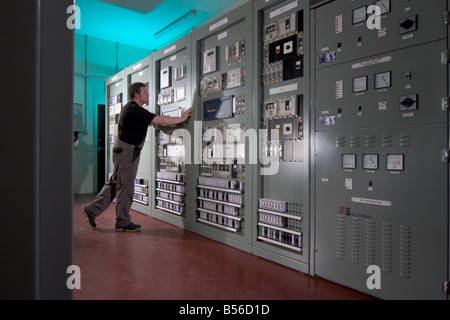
point(166, 77)
point(235, 78)
point(175, 150)
point(172, 112)
point(210, 60)
point(181, 72)
point(395, 162)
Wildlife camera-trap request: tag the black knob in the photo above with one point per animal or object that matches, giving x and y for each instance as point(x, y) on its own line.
point(408, 102)
point(407, 24)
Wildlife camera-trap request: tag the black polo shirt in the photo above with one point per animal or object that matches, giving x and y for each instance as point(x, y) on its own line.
point(133, 123)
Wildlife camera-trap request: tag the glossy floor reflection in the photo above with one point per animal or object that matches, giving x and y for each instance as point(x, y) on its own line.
point(164, 262)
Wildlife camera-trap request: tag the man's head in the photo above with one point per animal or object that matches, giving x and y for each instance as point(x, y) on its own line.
point(138, 92)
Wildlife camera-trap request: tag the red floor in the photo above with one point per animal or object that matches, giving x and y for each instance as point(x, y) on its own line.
point(164, 262)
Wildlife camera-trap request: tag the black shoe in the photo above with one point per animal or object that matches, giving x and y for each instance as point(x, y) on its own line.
point(89, 219)
point(130, 228)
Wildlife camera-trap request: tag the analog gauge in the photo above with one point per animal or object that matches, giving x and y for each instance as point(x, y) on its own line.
point(360, 84)
point(370, 161)
point(384, 5)
point(349, 161)
point(395, 162)
point(359, 15)
point(383, 80)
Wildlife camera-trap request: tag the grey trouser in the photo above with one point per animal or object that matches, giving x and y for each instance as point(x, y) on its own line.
point(121, 184)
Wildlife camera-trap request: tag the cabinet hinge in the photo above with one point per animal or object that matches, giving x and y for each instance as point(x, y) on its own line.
point(445, 285)
point(446, 18)
point(445, 103)
point(445, 56)
point(445, 156)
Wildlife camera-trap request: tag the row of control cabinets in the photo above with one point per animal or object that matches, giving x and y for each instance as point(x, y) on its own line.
point(344, 106)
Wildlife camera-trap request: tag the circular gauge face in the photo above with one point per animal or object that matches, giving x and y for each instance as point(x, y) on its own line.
point(370, 161)
point(349, 161)
point(383, 80)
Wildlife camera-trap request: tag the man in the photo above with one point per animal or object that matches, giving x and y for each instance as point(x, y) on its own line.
point(133, 125)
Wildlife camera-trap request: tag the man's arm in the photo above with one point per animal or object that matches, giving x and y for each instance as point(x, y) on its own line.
point(171, 121)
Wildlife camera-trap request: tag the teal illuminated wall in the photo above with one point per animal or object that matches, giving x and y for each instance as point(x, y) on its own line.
point(111, 38)
point(95, 60)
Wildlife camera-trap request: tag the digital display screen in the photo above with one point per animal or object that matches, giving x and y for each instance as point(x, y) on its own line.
point(221, 108)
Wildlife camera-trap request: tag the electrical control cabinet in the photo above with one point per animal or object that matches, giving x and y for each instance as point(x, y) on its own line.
point(282, 199)
point(224, 114)
point(381, 127)
point(380, 201)
point(173, 95)
point(116, 92)
point(141, 72)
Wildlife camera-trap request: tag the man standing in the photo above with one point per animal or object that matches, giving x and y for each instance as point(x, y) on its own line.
point(133, 125)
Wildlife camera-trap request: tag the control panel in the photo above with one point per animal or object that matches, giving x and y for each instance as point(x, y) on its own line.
point(283, 195)
point(388, 89)
point(173, 74)
point(141, 72)
point(224, 74)
point(115, 95)
point(355, 29)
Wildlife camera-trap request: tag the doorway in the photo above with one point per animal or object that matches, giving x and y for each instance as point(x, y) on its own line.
point(101, 160)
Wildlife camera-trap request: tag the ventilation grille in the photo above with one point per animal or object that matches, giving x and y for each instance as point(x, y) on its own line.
point(340, 237)
point(354, 244)
point(370, 141)
point(387, 247)
point(405, 251)
point(296, 210)
point(382, 244)
point(370, 242)
point(340, 142)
